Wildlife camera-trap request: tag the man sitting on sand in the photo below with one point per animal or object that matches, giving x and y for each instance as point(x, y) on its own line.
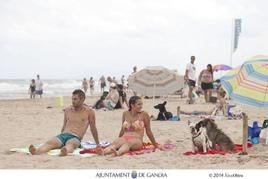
point(77, 118)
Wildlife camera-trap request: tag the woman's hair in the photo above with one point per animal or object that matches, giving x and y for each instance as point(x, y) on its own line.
point(133, 100)
point(211, 71)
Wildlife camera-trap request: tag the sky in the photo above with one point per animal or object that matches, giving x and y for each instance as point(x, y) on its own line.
point(73, 39)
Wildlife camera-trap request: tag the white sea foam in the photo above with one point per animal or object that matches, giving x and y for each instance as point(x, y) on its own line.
point(17, 89)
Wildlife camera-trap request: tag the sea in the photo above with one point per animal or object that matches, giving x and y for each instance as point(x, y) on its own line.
point(18, 88)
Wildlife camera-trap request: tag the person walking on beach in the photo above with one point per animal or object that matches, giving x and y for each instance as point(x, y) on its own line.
point(189, 77)
point(134, 70)
point(123, 80)
point(39, 86)
point(32, 89)
point(77, 118)
point(85, 85)
point(134, 123)
point(102, 83)
point(91, 85)
point(206, 80)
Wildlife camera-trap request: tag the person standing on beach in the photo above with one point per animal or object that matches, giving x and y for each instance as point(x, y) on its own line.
point(134, 70)
point(102, 83)
point(85, 85)
point(123, 80)
point(77, 118)
point(32, 89)
point(39, 86)
point(206, 80)
point(91, 85)
point(189, 77)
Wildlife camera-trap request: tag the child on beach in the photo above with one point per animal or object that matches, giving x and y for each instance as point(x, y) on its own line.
point(32, 89)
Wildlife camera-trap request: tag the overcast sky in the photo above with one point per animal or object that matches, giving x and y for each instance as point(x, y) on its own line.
point(83, 38)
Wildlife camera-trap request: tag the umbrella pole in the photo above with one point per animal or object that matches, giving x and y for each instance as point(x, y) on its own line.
point(245, 134)
point(154, 93)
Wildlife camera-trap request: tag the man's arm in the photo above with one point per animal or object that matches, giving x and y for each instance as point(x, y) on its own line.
point(93, 129)
point(64, 122)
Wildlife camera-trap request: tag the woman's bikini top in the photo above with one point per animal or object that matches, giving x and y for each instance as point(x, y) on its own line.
point(137, 125)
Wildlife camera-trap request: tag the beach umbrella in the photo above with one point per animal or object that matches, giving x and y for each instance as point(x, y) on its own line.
point(250, 84)
point(230, 74)
point(155, 81)
point(221, 67)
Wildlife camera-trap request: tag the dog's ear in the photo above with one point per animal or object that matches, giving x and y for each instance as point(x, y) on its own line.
point(164, 103)
point(203, 123)
point(156, 106)
point(189, 122)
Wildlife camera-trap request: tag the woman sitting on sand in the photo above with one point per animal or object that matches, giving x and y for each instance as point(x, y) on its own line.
point(134, 122)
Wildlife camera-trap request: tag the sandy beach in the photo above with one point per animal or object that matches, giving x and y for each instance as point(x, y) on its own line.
point(26, 121)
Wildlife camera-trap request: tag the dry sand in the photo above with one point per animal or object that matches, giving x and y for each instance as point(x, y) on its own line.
point(25, 122)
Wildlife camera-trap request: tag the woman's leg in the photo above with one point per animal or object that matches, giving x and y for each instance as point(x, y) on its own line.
point(114, 146)
point(206, 95)
point(122, 150)
point(131, 144)
point(209, 94)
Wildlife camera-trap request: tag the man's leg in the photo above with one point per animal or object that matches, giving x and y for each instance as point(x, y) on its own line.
point(206, 95)
point(54, 143)
point(69, 147)
point(190, 94)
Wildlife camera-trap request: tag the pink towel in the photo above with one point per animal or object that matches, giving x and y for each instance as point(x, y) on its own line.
point(238, 148)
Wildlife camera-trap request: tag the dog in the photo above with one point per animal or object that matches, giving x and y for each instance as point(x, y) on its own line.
point(163, 114)
point(216, 135)
point(199, 139)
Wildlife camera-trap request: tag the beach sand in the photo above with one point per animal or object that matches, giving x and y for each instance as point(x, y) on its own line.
point(25, 122)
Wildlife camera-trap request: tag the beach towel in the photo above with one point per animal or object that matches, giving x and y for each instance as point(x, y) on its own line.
point(238, 148)
point(147, 148)
point(84, 144)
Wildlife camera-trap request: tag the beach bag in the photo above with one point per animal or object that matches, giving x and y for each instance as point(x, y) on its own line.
point(254, 133)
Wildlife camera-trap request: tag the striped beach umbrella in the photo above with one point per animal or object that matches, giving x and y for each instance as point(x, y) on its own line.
point(155, 81)
point(221, 67)
point(250, 84)
point(230, 74)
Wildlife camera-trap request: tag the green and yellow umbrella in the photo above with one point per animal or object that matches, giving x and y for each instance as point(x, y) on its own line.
point(249, 84)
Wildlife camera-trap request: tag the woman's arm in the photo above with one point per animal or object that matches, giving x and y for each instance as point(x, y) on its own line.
point(122, 131)
point(200, 78)
point(149, 132)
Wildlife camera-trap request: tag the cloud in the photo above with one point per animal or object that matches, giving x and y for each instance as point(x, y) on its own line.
point(106, 36)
